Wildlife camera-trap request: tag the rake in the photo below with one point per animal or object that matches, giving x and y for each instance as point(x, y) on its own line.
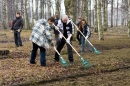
point(95, 50)
point(85, 63)
point(63, 62)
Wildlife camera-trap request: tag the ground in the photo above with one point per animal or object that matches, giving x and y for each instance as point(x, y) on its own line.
point(111, 68)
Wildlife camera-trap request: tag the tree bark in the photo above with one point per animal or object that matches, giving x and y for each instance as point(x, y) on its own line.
point(100, 29)
point(129, 18)
point(95, 17)
point(36, 13)
point(4, 14)
point(105, 26)
point(111, 13)
point(117, 14)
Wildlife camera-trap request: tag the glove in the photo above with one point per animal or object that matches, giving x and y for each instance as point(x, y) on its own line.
point(68, 40)
point(19, 30)
point(47, 48)
point(52, 43)
point(86, 37)
point(11, 31)
point(56, 28)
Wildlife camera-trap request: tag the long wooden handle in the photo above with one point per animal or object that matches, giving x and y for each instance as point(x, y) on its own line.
point(56, 51)
point(65, 39)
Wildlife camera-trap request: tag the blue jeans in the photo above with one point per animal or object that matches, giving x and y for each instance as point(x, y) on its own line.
point(17, 38)
point(83, 45)
point(42, 54)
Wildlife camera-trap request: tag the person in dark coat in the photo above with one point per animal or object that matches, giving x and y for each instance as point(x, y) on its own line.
point(55, 31)
point(65, 26)
point(78, 35)
point(17, 26)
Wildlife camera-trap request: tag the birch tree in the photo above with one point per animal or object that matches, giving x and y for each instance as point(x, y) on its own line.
point(117, 14)
point(95, 17)
point(62, 8)
point(105, 9)
point(100, 29)
point(111, 13)
point(129, 18)
point(4, 14)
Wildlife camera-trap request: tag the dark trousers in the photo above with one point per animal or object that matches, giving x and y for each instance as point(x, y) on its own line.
point(17, 38)
point(60, 45)
point(42, 54)
point(78, 37)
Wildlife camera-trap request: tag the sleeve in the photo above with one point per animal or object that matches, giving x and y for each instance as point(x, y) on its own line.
point(71, 28)
point(48, 35)
point(58, 24)
point(12, 25)
point(88, 31)
point(21, 26)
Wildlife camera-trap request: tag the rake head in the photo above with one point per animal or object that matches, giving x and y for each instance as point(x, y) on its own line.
point(85, 63)
point(63, 62)
point(96, 51)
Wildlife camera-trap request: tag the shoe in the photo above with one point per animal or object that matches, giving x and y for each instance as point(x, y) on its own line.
point(56, 60)
point(80, 44)
point(32, 62)
point(20, 45)
point(71, 63)
point(43, 65)
point(90, 51)
point(82, 52)
point(16, 46)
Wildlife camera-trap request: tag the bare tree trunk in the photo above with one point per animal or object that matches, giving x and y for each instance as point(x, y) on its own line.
point(100, 29)
point(95, 18)
point(85, 10)
point(129, 18)
point(41, 7)
point(57, 7)
point(26, 21)
point(32, 9)
point(89, 17)
point(105, 26)
point(21, 8)
point(16, 1)
point(4, 14)
point(111, 13)
point(80, 7)
point(36, 13)
point(117, 14)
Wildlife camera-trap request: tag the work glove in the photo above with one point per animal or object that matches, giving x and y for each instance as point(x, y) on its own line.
point(86, 37)
point(19, 30)
point(47, 48)
point(11, 31)
point(56, 28)
point(68, 40)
